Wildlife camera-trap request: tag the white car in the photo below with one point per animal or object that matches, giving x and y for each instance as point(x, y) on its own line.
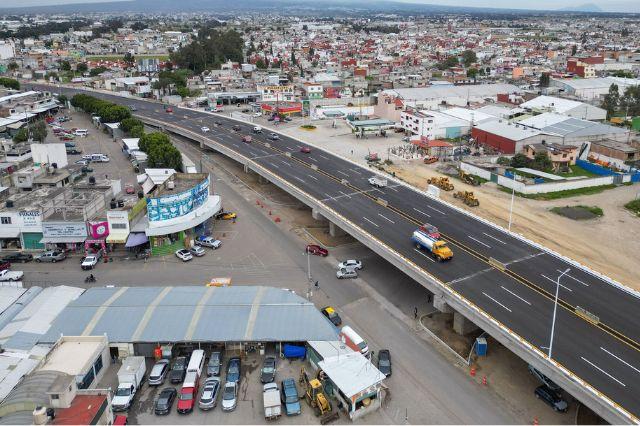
point(90, 262)
point(274, 136)
point(184, 254)
point(197, 251)
point(346, 273)
point(204, 129)
point(350, 264)
point(7, 275)
point(209, 242)
point(230, 396)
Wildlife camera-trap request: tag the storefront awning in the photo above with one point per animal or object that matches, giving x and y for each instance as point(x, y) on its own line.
point(136, 239)
point(9, 233)
point(62, 240)
point(117, 237)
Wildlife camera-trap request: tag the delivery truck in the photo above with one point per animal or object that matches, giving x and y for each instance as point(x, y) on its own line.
point(437, 248)
point(271, 398)
point(130, 378)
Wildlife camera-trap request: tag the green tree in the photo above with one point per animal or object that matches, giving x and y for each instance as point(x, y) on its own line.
point(129, 59)
point(293, 59)
point(541, 161)
point(519, 160)
point(62, 99)
point(38, 131)
point(114, 113)
point(469, 57)
point(450, 62)
point(129, 123)
point(65, 66)
point(472, 73)
point(183, 92)
point(209, 50)
point(574, 49)
point(21, 135)
point(138, 26)
point(10, 83)
point(13, 66)
point(82, 67)
point(611, 100)
point(545, 79)
point(97, 71)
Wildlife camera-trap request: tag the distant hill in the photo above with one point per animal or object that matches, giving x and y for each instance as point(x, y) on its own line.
point(587, 7)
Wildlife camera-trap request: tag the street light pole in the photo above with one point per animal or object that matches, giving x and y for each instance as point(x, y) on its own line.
point(308, 274)
point(555, 308)
point(513, 196)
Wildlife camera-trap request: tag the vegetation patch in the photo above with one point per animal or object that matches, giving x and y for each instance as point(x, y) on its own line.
point(561, 194)
point(579, 212)
point(634, 206)
point(308, 127)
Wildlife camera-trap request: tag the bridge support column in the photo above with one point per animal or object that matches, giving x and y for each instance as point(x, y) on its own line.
point(262, 180)
point(462, 325)
point(315, 214)
point(335, 231)
point(202, 144)
point(247, 170)
point(440, 304)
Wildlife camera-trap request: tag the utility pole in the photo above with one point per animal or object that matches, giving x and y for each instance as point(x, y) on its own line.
point(513, 196)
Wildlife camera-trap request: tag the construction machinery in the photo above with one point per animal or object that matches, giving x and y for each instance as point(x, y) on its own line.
point(468, 178)
point(467, 197)
point(441, 182)
point(315, 396)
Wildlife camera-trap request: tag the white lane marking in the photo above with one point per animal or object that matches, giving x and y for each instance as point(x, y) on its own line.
point(602, 371)
point(236, 145)
point(289, 148)
point(346, 195)
point(328, 195)
point(422, 254)
point(496, 301)
point(494, 238)
point(354, 171)
point(433, 208)
point(373, 223)
point(384, 217)
point(421, 212)
point(285, 163)
point(342, 173)
point(554, 281)
point(312, 159)
point(253, 153)
point(574, 278)
point(620, 359)
point(313, 177)
point(513, 294)
point(479, 242)
point(277, 167)
point(392, 188)
point(296, 177)
point(324, 156)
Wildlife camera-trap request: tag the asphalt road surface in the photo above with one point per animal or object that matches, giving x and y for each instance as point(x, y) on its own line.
point(605, 354)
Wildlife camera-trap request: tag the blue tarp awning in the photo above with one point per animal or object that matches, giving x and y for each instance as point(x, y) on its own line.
point(136, 239)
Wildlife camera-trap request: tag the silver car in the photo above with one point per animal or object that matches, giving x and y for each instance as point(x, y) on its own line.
point(209, 395)
point(159, 372)
point(52, 256)
point(230, 396)
point(346, 273)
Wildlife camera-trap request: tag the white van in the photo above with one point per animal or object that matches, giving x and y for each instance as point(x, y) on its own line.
point(99, 158)
point(352, 339)
point(196, 363)
point(81, 132)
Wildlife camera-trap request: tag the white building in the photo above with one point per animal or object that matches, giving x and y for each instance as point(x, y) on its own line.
point(433, 124)
point(592, 88)
point(566, 107)
point(7, 50)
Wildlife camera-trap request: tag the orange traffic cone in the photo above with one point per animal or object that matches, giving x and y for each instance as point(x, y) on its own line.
point(473, 372)
point(535, 421)
point(484, 380)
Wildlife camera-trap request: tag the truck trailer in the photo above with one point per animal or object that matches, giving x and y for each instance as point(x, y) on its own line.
point(130, 378)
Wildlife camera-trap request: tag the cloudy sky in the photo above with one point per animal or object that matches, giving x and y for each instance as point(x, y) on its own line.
point(606, 5)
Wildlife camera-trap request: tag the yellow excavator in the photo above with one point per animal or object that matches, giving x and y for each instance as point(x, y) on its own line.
point(314, 394)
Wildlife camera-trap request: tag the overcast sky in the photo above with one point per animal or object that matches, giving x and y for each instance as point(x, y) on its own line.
point(606, 5)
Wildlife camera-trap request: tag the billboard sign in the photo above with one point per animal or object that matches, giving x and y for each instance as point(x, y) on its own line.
point(64, 229)
point(172, 206)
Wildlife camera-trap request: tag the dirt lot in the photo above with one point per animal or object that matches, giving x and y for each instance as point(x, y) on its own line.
point(534, 220)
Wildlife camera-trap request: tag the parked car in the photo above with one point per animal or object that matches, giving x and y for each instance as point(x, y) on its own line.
point(4, 265)
point(165, 401)
point(184, 255)
point(305, 149)
point(204, 129)
point(346, 273)
point(83, 162)
point(215, 364)
point(159, 372)
point(233, 370)
point(209, 395)
point(350, 264)
point(169, 109)
point(7, 275)
point(544, 379)
point(90, 262)
point(178, 370)
point(226, 215)
point(197, 251)
point(18, 257)
point(230, 396)
point(257, 129)
point(384, 362)
point(317, 250)
point(236, 128)
point(332, 315)
point(268, 371)
point(187, 394)
point(86, 169)
point(289, 397)
point(120, 420)
point(274, 136)
point(209, 242)
point(552, 398)
point(217, 123)
point(73, 151)
point(52, 256)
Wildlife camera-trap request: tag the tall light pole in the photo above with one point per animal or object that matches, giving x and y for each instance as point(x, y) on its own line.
point(513, 196)
point(308, 273)
point(555, 308)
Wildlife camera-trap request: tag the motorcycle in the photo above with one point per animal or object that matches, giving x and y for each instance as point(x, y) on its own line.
point(90, 279)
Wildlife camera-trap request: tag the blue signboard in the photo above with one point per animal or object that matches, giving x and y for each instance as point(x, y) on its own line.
point(176, 205)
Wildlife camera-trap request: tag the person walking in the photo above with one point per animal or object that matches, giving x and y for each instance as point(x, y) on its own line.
point(415, 312)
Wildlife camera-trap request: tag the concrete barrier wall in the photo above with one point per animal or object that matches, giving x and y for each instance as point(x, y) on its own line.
point(469, 168)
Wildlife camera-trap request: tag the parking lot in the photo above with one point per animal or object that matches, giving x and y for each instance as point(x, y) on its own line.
point(250, 405)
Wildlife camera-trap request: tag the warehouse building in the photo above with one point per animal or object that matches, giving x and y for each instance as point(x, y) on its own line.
point(566, 107)
point(573, 130)
point(509, 138)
